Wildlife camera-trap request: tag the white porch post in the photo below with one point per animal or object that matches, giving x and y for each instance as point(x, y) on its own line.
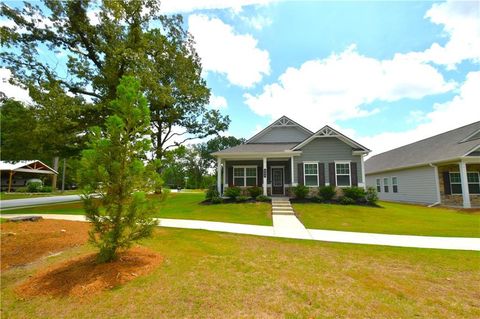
point(292, 168)
point(264, 172)
point(463, 178)
point(363, 171)
point(219, 175)
point(224, 174)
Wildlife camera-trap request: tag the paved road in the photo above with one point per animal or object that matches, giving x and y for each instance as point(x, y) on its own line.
point(454, 243)
point(22, 202)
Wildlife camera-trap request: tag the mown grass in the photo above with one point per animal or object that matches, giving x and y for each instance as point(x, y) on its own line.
point(390, 218)
point(178, 205)
point(217, 275)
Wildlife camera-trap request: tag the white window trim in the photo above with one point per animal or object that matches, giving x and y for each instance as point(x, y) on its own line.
point(478, 174)
point(349, 173)
point(245, 174)
point(388, 186)
point(396, 184)
point(457, 172)
point(305, 175)
point(378, 184)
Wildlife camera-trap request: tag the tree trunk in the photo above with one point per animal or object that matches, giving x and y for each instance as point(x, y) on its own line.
point(54, 177)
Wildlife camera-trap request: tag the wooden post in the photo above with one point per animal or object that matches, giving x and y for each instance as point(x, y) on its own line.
point(54, 176)
point(63, 174)
point(10, 181)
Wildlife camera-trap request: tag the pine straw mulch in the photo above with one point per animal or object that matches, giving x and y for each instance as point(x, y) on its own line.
point(25, 242)
point(84, 277)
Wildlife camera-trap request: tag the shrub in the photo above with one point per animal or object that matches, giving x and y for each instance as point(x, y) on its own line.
point(21, 190)
point(263, 198)
point(211, 193)
point(327, 192)
point(255, 191)
point(300, 191)
point(34, 187)
point(232, 192)
point(371, 196)
point(46, 189)
point(216, 200)
point(318, 199)
point(355, 193)
point(345, 200)
point(241, 199)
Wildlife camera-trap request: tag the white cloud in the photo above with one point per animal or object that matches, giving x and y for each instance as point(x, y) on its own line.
point(337, 87)
point(10, 90)
point(462, 109)
point(225, 52)
point(182, 6)
point(257, 22)
point(218, 102)
point(461, 24)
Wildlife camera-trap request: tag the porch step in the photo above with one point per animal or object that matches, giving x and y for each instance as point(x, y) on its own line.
point(284, 213)
point(282, 206)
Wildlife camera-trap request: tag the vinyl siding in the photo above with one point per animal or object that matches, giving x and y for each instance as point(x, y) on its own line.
point(289, 134)
point(327, 150)
point(415, 185)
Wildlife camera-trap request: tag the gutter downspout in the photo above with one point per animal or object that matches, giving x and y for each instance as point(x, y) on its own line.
point(437, 184)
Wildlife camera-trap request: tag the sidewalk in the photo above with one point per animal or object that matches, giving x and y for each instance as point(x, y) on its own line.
point(455, 243)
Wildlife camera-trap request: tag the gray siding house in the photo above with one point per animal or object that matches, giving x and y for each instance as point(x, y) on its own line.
point(443, 169)
point(286, 154)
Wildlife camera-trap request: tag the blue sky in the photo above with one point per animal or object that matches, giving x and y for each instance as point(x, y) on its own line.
point(384, 73)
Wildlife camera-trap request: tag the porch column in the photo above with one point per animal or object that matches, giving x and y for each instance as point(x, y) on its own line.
point(463, 178)
point(291, 171)
point(363, 171)
point(264, 176)
point(224, 174)
point(219, 175)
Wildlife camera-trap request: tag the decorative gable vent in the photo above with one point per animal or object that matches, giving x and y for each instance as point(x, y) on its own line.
point(284, 121)
point(327, 131)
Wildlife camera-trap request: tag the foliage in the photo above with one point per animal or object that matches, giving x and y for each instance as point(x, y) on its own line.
point(211, 193)
point(127, 38)
point(263, 198)
point(355, 193)
point(216, 200)
point(113, 166)
point(46, 189)
point(345, 200)
point(301, 191)
point(215, 144)
point(254, 191)
point(21, 190)
point(34, 187)
point(232, 192)
point(241, 198)
point(318, 199)
point(327, 192)
point(371, 195)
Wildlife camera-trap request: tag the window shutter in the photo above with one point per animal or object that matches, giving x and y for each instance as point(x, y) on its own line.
point(300, 174)
point(353, 173)
point(259, 176)
point(446, 183)
point(331, 174)
point(230, 176)
point(321, 174)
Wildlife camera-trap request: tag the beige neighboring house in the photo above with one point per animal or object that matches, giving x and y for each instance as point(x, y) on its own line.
point(16, 174)
point(443, 169)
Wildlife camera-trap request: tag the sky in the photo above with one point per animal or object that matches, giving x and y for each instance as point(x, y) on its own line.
point(384, 73)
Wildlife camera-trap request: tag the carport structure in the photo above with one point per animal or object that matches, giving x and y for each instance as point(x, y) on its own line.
point(33, 167)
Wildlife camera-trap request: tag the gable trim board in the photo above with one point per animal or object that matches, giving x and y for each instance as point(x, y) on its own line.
point(281, 122)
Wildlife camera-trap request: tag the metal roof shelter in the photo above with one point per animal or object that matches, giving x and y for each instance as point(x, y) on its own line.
point(34, 167)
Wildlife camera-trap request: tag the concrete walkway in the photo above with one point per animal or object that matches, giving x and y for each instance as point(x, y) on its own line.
point(455, 243)
point(285, 223)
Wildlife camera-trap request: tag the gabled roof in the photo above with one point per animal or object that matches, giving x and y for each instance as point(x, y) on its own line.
point(327, 131)
point(257, 148)
point(33, 166)
point(281, 122)
point(451, 145)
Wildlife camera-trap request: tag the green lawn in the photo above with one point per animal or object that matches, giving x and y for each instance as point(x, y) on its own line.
point(217, 275)
point(7, 196)
point(391, 218)
point(183, 206)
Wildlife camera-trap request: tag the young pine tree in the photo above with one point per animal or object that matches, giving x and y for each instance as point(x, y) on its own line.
point(113, 166)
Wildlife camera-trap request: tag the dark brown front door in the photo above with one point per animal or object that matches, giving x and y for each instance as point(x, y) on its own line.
point(277, 181)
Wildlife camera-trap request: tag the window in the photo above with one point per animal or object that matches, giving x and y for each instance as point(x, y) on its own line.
point(455, 183)
point(342, 174)
point(310, 174)
point(394, 185)
point(385, 184)
point(473, 179)
point(379, 186)
point(245, 176)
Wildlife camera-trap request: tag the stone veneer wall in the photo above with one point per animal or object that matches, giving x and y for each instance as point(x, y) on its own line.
point(456, 200)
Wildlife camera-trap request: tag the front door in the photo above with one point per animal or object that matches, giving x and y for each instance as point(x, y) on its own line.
point(277, 181)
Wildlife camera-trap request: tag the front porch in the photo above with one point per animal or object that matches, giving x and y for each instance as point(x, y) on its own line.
point(274, 175)
point(459, 184)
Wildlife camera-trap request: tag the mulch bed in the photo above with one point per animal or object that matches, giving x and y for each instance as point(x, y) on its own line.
point(84, 277)
point(26, 242)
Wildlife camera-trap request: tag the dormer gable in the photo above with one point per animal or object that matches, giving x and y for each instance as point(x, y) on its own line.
point(283, 130)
